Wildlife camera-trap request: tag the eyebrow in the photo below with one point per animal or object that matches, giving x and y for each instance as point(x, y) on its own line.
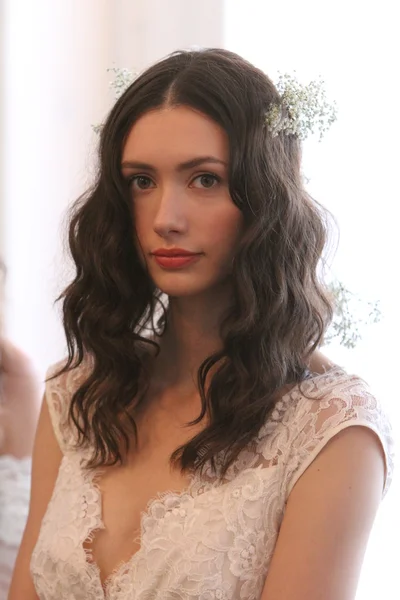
point(185, 166)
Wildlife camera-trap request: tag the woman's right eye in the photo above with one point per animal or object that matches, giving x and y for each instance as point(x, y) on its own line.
point(141, 182)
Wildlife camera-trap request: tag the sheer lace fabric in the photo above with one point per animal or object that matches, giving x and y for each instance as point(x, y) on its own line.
point(215, 539)
point(14, 503)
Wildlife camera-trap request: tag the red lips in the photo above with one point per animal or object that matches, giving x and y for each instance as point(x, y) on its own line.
point(175, 258)
point(173, 252)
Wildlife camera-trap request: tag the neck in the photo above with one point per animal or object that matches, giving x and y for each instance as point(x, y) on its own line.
point(192, 334)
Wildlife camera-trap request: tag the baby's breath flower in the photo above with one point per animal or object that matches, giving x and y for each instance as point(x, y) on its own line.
point(122, 80)
point(302, 109)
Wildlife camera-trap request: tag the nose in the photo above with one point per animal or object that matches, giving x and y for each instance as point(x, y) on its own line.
point(170, 215)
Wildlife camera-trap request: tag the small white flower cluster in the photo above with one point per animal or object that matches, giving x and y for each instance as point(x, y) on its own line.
point(122, 80)
point(302, 110)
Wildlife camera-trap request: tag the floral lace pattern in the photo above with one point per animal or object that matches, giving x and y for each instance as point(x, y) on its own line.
point(216, 538)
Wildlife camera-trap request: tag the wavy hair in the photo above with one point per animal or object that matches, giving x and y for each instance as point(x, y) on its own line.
point(280, 308)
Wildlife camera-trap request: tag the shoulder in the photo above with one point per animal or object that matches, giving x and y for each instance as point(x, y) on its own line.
point(61, 385)
point(338, 453)
point(320, 408)
point(64, 379)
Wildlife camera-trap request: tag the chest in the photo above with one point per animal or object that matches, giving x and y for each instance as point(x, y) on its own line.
point(145, 525)
point(127, 490)
point(211, 536)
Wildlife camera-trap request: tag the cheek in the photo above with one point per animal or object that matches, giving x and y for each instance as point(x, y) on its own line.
point(228, 227)
point(142, 223)
point(139, 235)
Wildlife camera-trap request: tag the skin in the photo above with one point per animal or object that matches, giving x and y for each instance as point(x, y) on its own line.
point(20, 406)
point(332, 507)
point(176, 207)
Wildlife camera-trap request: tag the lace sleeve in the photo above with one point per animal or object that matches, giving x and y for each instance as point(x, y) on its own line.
point(56, 398)
point(59, 392)
point(317, 421)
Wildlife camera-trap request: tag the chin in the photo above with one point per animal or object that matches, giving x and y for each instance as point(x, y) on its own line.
point(182, 291)
point(179, 285)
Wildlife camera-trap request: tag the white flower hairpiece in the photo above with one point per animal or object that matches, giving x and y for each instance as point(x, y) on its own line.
point(122, 80)
point(302, 109)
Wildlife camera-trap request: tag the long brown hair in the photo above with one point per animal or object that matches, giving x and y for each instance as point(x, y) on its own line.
point(280, 309)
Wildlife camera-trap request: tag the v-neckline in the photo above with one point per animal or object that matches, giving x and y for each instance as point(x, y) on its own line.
point(160, 497)
point(129, 564)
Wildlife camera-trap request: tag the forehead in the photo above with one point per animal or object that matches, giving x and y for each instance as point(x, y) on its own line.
point(176, 132)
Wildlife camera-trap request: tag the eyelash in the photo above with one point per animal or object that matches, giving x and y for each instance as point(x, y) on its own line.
point(217, 178)
point(214, 176)
point(134, 178)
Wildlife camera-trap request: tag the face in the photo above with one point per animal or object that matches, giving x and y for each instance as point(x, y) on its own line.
point(187, 226)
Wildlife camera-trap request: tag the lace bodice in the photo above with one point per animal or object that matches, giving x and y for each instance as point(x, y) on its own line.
point(215, 539)
point(14, 503)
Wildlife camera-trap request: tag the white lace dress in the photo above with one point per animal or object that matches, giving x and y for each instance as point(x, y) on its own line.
point(15, 479)
point(215, 539)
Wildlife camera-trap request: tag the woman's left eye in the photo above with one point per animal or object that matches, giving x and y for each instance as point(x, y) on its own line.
point(205, 181)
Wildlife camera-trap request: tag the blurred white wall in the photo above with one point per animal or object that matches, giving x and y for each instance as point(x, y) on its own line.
point(54, 85)
point(146, 30)
point(2, 31)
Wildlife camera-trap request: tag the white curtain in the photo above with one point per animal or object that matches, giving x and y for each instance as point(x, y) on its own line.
point(354, 46)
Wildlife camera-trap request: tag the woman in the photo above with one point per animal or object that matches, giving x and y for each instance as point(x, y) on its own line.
point(195, 444)
point(19, 408)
